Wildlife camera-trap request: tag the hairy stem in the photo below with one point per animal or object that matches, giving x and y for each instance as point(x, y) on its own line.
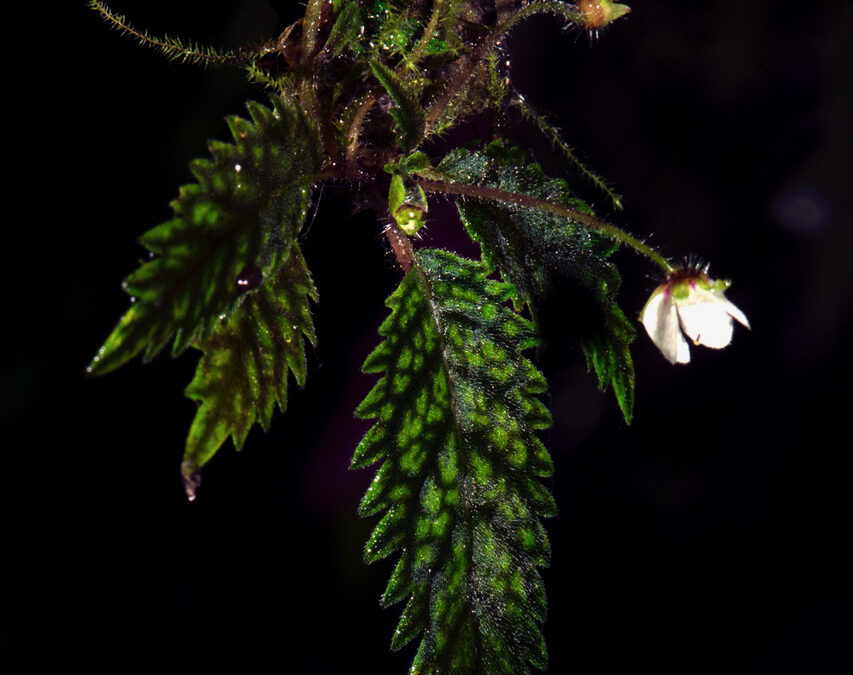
point(355, 127)
point(586, 219)
point(428, 34)
point(490, 42)
point(553, 134)
point(401, 245)
point(173, 49)
point(311, 24)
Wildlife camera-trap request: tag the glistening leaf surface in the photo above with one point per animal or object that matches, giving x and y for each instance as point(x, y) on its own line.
point(242, 374)
point(530, 245)
point(246, 208)
point(459, 484)
point(408, 113)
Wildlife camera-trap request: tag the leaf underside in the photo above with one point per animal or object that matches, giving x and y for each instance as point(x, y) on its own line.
point(529, 246)
point(459, 484)
point(243, 213)
point(242, 374)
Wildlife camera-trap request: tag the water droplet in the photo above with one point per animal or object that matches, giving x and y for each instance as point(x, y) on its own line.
point(251, 277)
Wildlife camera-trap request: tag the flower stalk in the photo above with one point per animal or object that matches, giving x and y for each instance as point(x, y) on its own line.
point(586, 219)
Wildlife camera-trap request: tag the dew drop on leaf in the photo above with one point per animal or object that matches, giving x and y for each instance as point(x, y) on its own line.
point(251, 277)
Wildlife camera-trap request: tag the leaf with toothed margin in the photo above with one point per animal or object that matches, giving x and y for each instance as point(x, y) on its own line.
point(528, 246)
point(242, 374)
point(459, 485)
point(246, 208)
point(408, 113)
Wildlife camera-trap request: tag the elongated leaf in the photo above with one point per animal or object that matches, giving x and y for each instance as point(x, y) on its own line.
point(459, 485)
point(247, 206)
point(528, 245)
point(408, 114)
point(243, 371)
point(345, 30)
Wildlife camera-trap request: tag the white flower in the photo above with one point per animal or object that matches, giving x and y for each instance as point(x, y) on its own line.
point(692, 302)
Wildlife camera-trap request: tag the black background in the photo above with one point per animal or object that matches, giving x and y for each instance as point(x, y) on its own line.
point(712, 535)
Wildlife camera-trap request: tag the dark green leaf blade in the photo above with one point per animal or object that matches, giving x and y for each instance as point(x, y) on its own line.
point(345, 30)
point(409, 114)
point(247, 206)
point(242, 374)
point(527, 246)
point(459, 485)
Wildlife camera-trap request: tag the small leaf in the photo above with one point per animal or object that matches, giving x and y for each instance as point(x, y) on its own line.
point(459, 484)
point(345, 30)
point(247, 206)
point(242, 374)
point(528, 246)
point(408, 114)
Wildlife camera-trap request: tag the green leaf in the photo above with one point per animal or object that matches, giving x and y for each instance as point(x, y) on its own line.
point(459, 484)
point(247, 206)
point(417, 162)
point(529, 245)
point(242, 374)
point(345, 30)
point(409, 114)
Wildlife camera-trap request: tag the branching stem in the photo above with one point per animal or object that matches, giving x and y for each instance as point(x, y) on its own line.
point(490, 42)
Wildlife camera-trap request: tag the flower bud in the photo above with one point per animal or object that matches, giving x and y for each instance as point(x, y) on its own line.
point(596, 14)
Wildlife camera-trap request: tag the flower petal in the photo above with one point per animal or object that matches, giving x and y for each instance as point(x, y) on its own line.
point(735, 312)
point(683, 348)
point(660, 319)
point(707, 323)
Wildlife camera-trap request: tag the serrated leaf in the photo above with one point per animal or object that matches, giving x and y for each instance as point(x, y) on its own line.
point(459, 485)
point(242, 374)
point(529, 245)
point(247, 206)
point(408, 113)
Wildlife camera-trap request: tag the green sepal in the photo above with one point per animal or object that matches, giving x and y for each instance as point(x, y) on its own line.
point(408, 113)
point(407, 206)
point(396, 193)
point(242, 374)
point(248, 204)
point(459, 485)
point(528, 246)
